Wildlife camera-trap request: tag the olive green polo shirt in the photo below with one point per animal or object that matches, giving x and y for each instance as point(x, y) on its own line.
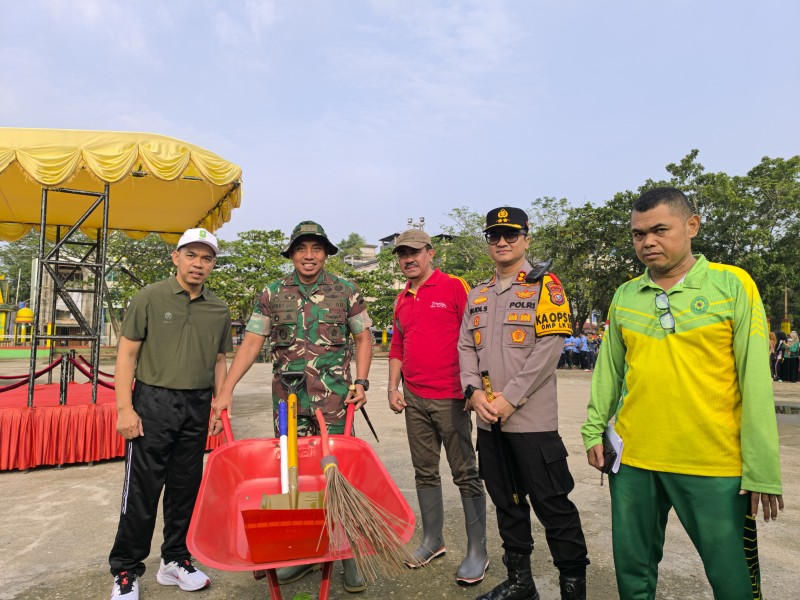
point(180, 337)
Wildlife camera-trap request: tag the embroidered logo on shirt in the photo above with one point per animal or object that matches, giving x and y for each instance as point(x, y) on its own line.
point(480, 300)
point(700, 305)
point(477, 321)
point(167, 317)
point(513, 317)
point(486, 289)
point(525, 293)
point(521, 276)
point(518, 336)
point(525, 318)
point(438, 304)
point(477, 338)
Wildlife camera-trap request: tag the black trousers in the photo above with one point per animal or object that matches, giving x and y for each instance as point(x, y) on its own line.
point(170, 457)
point(539, 463)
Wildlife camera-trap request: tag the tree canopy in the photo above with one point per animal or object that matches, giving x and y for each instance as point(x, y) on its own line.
point(750, 220)
point(244, 268)
point(352, 245)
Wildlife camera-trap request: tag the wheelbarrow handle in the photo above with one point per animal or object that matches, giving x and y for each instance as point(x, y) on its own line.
point(348, 420)
point(226, 426)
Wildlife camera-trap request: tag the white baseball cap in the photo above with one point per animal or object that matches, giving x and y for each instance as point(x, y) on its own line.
point(199, 236)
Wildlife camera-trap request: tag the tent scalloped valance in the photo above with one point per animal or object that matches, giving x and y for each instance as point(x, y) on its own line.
point(157, 183)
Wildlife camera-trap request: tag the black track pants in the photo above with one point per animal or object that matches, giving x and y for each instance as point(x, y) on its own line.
point(170, 457)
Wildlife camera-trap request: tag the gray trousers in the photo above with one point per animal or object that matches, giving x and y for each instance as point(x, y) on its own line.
point(431, 424)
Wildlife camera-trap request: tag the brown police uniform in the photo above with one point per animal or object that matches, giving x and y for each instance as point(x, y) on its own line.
point(517, 335)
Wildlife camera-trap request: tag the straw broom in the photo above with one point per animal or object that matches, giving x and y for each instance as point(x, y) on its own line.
point(354, 519)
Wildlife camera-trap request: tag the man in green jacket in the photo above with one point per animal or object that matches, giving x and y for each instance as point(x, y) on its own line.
point(684, 368)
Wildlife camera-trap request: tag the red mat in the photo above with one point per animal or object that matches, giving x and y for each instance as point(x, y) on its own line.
point(53, 434)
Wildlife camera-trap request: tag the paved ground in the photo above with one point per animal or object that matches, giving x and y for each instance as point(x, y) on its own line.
point(58, 525)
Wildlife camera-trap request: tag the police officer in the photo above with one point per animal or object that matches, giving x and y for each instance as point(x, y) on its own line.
point(513, 329)
point(308, 317)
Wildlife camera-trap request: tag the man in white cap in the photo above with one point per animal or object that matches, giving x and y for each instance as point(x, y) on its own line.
point(171, 357)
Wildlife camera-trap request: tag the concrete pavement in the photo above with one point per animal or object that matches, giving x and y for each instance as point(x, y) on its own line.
point(58, 525)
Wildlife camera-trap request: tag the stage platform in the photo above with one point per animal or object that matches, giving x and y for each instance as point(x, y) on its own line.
point(50, 433)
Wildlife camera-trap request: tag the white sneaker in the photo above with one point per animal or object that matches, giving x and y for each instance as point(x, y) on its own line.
point(126, 586)
point(183, 574)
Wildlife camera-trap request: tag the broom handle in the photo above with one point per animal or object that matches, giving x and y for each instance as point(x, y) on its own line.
point(292, 429)
point(323, 432)
point(283, 426)
point(292, 449)
point(323, 427)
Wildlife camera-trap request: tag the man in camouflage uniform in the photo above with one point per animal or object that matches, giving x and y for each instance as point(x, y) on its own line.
point(308, 317)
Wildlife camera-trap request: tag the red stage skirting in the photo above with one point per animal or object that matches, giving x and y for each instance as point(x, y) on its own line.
point(52, 434)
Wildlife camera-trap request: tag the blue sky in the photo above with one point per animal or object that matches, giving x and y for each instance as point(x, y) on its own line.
point(361, 114)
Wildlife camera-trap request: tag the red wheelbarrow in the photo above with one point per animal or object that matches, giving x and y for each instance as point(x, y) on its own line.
point(239, 472)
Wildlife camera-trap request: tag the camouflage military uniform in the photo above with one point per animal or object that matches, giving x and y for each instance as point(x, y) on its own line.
point(308, 326)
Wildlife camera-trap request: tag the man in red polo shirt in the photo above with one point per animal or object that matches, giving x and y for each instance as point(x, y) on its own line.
point(424, 354)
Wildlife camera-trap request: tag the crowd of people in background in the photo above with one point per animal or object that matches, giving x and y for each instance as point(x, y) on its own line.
point(580, 351)
point(784, 356)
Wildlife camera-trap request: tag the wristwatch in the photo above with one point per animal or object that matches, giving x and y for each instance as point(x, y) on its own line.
point(468, 391)
point(364, 383)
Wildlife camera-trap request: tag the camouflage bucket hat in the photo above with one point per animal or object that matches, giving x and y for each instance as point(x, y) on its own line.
point(309, 229)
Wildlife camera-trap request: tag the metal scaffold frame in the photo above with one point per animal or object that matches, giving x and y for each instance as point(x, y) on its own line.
point(93, 261)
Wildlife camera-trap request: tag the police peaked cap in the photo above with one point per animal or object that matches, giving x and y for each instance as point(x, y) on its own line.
point(508, 217)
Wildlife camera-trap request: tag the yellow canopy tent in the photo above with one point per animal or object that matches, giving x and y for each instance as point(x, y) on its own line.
point(156, 183)
point(94, 182)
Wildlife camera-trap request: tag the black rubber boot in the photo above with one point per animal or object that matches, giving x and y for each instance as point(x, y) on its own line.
point(573, 588)
point(431, 509)
point(473, 568)
point(519, 585)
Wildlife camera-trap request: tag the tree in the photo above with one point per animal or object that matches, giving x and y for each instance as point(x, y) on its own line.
point(352, 245)
point(130, 265)
point(465, 253)
point(133, 264)
point(751, 221)
point(376, 285)
point(15, 264)
point(244, 268)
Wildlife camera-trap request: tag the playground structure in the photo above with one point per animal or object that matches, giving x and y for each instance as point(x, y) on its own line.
point(66, 182)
